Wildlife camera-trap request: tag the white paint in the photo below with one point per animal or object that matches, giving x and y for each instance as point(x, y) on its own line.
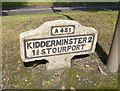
point(81, 41)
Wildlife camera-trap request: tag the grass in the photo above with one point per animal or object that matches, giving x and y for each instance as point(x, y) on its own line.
point(16, 75)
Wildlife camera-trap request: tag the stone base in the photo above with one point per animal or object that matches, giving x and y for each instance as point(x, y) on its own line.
point(58, 63)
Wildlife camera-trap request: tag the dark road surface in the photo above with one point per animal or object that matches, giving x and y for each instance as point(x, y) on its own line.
point(50, 9)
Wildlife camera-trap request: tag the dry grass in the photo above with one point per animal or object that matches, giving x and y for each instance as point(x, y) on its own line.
point(16, 75)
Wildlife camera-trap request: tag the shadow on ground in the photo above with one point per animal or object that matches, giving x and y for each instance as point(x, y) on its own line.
point(57, 12)
point(35, 63)
point(80, 56)
point(101, 53)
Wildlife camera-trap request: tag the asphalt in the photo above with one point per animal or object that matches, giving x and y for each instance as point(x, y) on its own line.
point(8, 11)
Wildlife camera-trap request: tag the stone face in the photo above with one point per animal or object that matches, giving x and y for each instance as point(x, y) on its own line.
point(57, 42)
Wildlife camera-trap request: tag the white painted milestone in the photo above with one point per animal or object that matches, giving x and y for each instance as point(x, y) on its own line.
point(57, 42)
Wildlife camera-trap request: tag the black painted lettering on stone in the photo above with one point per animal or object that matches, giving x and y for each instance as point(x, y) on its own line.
point(78, 47)
point(64, 49)
point(43, 43)
point(61, 30)
point(33, 51)
point(80, 40)
point(65, 41)
point(70, 30)
point(62, 42)
point(58, 45)
point(37, 52)
point(85, 40)
point(75, 40)
point(48, 50)
point(68, 48)
point(43, 51)
point(52, 42)
point(74, 48)
point(37, 44)
point(89, 39)
point(33, 44)
point(56, 30)
point(66, 29)
point(54, 50)
point(29, 45)
point(58, 42)
point(47, 43)
point(71, 41)
point(59, 49)
point(82, 46)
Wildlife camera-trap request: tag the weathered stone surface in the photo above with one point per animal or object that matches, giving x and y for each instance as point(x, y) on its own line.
point(57, 42)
